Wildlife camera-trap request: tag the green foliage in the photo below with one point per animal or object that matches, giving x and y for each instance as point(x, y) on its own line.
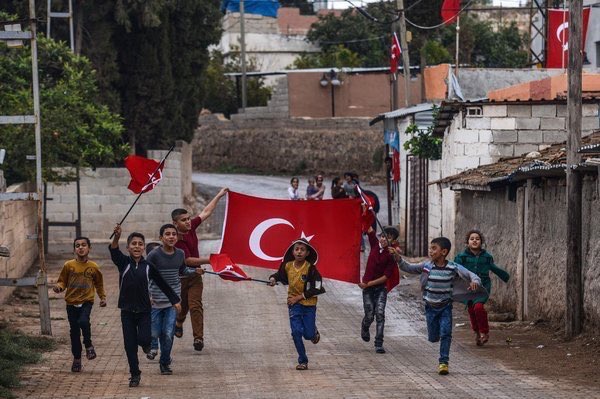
point(481, 46)
point(422, 143)
point(220, 93)
point(435, 53)
point(335, 57)
point(17, 350)
point(76, 130)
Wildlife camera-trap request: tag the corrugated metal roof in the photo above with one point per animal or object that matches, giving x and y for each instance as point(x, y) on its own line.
point(402, 112)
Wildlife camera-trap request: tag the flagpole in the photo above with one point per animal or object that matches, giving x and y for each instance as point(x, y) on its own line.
point(162, 162)
point(362, 196)
point(241, 278)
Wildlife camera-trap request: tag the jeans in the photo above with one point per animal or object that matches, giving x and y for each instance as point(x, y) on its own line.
point(79, 320)
point(163, 330)
point(302, 324)
point(374, 301)
point(439, 328)
point(191, 300)
point(478, 317)
point(136, 331)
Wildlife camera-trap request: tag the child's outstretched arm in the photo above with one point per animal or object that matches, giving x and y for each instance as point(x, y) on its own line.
point(118, 258)
point(501, 273)
point(209, 209)
point(61, 283)
point(466, 275)
point(413, 268)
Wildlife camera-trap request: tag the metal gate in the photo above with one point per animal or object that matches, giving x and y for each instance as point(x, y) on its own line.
point(418, 206)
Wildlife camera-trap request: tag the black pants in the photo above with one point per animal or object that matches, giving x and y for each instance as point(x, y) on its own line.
point(79, 323)
point(374, 300)
point(136, 331)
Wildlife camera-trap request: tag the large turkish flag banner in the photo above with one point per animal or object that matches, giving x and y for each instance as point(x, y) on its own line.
point(258, 231)
point(558, 37)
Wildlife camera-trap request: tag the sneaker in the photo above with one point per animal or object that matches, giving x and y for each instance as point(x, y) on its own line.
point(302, 366)
point(90, 353)
point(178, 331)
point(76, 366)
point(152, 354)
point(316, 338)
point(478, 339)
point(484, 338)
point(134, 380)
point(198, 344)
point(165, 369)
point(443, 369)
point(379, 349)
point(146, 349)
point(365, 335)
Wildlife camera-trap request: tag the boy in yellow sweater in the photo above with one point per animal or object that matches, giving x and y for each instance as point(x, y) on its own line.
point(81, 278)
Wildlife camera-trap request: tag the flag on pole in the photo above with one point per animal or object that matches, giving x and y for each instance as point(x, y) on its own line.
point(395, 53)
point(258, 231)
point(224, 267)
point(145, 173)
point(558, 36)
point(450, 10)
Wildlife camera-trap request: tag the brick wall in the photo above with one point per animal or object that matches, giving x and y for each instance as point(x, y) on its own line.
point(288, 145)
point(19, 219)
point(105, 199)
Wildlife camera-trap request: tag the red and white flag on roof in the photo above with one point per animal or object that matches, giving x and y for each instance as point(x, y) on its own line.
point(450, 10)
point(395, 53)
point(145, 173)
point(558, 37)
point(226, 269)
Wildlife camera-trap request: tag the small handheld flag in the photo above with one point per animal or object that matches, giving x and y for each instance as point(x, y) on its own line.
point(225, 268)
point(145, 173)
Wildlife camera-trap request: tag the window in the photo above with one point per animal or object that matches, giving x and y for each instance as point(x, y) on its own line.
point(474, 111)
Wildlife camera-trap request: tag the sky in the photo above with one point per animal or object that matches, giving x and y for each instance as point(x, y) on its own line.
point(341, 4)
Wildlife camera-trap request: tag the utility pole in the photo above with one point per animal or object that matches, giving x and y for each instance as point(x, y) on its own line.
point(404, 47)
point(574, 287)
point(457, 44)
point(243, 55)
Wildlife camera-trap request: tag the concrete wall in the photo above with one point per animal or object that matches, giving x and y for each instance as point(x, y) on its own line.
point(501, 131)
point(359, 95)
point(289, 146)
point(477, 82)
point(19, 219)
point(105, 199)
point(526, 236)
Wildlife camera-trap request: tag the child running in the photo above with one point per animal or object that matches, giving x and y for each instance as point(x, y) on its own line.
point(134, 297)
point(441, 284)
point(298, 270)
point(381, 269)
point(479, 261)
point(170, 263)
point(81, 278)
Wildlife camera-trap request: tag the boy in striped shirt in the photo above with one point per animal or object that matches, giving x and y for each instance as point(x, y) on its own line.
point(170, 264)
point(442, 281)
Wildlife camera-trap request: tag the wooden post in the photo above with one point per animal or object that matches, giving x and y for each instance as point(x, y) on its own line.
point(574, 287)
point(404, 47)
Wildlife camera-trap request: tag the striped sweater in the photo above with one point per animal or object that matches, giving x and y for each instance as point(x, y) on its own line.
point(170, 266)
point(439, 284)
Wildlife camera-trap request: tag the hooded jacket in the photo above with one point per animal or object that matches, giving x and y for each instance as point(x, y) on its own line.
point(314, 282)
point(481, 265)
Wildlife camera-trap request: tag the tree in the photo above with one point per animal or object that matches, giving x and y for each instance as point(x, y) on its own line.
point(76, 130)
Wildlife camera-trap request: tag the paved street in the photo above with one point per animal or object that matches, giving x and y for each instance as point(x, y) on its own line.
point(249, 351)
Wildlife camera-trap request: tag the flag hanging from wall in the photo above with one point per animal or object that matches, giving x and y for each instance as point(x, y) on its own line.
point(258, 231)
point(145, 173)
point(558, 37)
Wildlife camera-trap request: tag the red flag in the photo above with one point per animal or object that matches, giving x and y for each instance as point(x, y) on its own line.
point(144, 172)
point(395, 53)
point(258, 231)
point(226, 269)
point(558, 37)
point(450, 10)
point(396, 166)
point(367, 217)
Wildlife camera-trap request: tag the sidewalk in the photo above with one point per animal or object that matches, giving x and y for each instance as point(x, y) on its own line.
point(249, 352)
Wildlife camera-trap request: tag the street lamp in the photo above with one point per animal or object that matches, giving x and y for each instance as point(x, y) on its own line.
point(331, 78)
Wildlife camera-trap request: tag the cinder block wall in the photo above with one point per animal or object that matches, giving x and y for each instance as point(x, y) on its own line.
point(105, 199)
point(19, 219)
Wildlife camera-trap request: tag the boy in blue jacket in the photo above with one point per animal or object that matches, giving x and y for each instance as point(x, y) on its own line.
point(134, 297)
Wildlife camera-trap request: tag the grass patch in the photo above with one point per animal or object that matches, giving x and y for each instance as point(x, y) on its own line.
point(17, 350)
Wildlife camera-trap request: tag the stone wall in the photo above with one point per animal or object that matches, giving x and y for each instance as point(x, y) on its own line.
point(19, 220)
point(526, 236)
point(105, 199)
point(288, 146)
